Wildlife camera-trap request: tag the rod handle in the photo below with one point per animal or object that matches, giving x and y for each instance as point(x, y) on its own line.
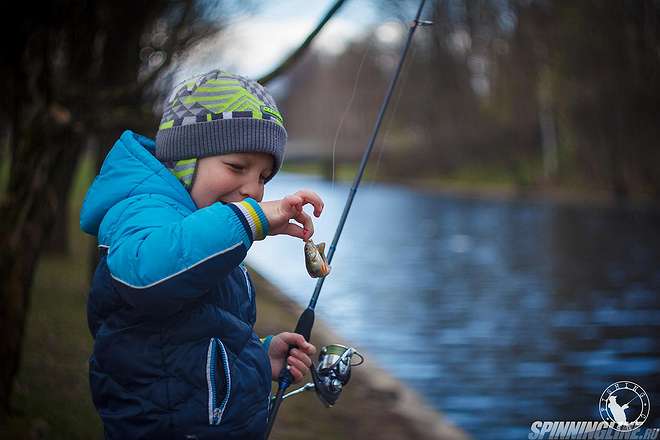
point(304, 327)
point(305, 323)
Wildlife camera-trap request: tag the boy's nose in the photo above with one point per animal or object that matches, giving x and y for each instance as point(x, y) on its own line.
point(253, 190)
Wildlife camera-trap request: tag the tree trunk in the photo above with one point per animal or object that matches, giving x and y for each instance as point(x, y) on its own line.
point(32, 204)
point(57, 243)
point(100, 147)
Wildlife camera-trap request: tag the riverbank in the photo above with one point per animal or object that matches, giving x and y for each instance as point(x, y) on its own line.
point(374, 404)
point(548, 193)
point(52, 400)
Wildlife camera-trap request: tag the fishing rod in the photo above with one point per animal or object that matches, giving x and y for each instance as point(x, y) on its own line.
point(335, 360)
point(628, 403)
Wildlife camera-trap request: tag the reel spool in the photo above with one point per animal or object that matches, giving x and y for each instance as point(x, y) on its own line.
point(334, 371)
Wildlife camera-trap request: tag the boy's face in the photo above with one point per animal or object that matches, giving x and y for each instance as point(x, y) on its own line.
point(231, 178)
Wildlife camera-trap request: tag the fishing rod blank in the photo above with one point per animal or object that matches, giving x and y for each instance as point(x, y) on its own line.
point(628, 403)
point(306, 320)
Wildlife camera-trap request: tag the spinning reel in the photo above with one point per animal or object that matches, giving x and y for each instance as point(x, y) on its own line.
point(331, 374)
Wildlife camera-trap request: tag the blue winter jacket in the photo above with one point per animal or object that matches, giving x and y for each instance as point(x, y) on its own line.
point(171, 307)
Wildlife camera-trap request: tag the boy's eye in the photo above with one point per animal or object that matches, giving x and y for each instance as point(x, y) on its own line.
point(235, 166)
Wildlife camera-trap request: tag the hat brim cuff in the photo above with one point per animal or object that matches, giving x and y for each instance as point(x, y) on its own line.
point(223, 136)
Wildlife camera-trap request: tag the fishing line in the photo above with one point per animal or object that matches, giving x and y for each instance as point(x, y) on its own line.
point(628, 403)
point(609, 411)
point(347, 109)
point(395, 107)
point(306, 319)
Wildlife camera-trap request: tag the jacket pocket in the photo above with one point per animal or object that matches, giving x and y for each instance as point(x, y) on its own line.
point(218, 378)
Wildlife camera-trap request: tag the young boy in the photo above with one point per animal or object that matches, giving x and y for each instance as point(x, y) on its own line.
point(171, 307)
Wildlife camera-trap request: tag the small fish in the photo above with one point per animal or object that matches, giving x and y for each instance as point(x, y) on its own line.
point(315, 261)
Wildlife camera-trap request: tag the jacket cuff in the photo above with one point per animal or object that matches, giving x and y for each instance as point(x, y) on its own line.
point(252, 217)
point(265, 342)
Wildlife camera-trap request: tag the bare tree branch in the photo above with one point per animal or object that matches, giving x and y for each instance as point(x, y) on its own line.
point(169, 47)
point(298, 53)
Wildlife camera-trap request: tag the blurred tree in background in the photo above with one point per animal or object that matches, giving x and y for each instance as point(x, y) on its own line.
point(549, 92)
point(605, 73)
point(75, 74)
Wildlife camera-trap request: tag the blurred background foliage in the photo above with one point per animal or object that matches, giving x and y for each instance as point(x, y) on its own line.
point(75, 73)
point(539, 93)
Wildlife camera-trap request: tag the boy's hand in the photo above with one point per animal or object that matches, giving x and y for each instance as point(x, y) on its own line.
point(280, 212)
point(298, 360)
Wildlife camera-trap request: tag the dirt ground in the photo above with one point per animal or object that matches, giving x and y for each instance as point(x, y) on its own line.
point(372, 406)
point(58, 405)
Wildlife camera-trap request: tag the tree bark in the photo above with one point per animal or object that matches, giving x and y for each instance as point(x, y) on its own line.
point(28, 217)
point(47, 141)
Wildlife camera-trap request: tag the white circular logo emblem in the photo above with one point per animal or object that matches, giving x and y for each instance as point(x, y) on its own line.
point(624, 405)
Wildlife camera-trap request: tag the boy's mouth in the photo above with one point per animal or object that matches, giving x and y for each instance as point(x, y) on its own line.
point(228, 200)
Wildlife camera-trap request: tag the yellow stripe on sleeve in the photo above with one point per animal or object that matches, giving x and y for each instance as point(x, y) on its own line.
point(255, 218)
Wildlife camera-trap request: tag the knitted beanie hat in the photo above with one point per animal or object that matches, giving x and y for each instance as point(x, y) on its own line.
point(218, 113)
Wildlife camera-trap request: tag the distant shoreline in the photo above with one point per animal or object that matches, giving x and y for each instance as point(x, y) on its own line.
point(550, 194)
point(505, 191)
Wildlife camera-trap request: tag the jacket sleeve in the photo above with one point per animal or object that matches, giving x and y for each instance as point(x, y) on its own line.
point(160, 257)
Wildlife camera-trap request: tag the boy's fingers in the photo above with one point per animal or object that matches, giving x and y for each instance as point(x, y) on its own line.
point(298, 365)
point(312, 198)
point(298, 340)
point(303, 344)
point(304, 219)
point(297, 375)
point(294, 231)
point(293, 204)
point(301, 356)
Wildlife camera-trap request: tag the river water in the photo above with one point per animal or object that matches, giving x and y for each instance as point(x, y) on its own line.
point(499, 313)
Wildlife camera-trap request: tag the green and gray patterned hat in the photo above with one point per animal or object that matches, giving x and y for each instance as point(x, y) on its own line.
point(219, 113)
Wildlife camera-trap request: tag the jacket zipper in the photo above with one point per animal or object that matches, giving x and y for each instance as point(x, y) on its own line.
point(247, 282)
point(215, 410)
